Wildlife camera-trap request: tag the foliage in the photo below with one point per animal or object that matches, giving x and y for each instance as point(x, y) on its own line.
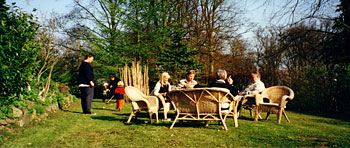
point(18, 53)
point(177, 58)
point(342, 89)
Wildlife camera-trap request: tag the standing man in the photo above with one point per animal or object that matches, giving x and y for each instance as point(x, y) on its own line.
point(86, 84)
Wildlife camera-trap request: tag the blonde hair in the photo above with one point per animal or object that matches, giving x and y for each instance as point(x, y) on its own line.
point(162, 76)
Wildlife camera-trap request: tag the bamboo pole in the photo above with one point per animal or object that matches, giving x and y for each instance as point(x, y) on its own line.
point(133, 76)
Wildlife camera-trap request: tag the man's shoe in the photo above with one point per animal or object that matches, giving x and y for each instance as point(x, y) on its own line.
point(90, 113)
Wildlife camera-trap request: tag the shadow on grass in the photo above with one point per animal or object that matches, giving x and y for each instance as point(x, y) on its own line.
point(343, 117)
point(143, 119)
point(75, 112)
point(104, 109)
point(106, 118)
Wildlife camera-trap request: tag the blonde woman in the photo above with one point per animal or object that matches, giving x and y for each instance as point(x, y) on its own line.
point(161, 89)
point(163, 86)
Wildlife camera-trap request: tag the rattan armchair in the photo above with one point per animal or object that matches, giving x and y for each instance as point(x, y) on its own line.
point(274, 100)
point(141, 102)
point(204, 104)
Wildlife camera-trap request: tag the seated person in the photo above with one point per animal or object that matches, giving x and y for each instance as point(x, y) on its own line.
point(223, 82)
point(221, 78)
point(189, 82)
point(162, 87)
point(255, 88)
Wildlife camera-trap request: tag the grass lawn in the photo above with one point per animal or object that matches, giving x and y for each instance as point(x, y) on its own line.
point(108, 129)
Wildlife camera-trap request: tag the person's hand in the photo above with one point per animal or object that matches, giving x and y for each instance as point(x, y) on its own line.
point(242, 93)
point(229, 80)
point(92, 84)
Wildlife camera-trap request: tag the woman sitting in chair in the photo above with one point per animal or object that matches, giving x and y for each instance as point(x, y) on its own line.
point(162, 87)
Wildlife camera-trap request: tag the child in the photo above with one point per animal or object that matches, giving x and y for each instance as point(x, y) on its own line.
point(104, 91)
point(119, 93)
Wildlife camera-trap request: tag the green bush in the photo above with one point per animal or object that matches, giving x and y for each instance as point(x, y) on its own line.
point(18, 53)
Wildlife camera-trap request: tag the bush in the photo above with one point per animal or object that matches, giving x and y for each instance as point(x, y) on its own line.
point(18, 58)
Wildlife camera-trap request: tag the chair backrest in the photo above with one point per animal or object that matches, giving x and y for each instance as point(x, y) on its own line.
point(137, 98)
point(275, 93)
point(134, 94)
point(200, 100)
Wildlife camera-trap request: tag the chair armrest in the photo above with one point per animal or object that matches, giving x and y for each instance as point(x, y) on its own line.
point(259, 99)
point(152, 100)
point(248, 96)
point(284, 100)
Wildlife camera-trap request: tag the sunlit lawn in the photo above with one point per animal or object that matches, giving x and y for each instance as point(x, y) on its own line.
point(108, 129)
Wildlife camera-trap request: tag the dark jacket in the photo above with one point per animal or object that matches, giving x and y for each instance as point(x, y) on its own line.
point(222, 84)
point(113, 84)
point(86, 73)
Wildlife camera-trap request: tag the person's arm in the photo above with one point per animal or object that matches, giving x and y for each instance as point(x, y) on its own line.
point(156, 89)
point(169, 87)
point(181, 84)
point(90, 74)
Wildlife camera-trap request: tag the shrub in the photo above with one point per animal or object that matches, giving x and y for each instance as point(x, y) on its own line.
point(18, 53)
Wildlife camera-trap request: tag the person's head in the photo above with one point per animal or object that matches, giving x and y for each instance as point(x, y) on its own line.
point(105, 85)
point(221, 74)
point(111, 77)
point(255, 76)
point(164, 78)
point(190, 75)
point(89, 58)
point(120, 84)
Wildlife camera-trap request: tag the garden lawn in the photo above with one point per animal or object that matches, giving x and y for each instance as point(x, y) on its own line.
point(71, 128)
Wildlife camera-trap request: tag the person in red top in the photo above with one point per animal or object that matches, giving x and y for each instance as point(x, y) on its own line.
point(119, 93)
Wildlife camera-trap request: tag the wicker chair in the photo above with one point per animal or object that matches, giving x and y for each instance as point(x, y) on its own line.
point(141, 102)
point(164, 105)
point(249, 103)
point(204, 104)
point(273, 100)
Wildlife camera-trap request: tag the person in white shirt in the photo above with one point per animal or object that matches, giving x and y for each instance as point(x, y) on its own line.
point(189, 82)
point(255, 88)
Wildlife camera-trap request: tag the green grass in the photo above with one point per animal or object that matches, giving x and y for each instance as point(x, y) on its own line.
point(108, 129)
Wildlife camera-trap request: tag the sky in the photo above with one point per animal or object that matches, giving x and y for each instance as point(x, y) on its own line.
point(254, 10)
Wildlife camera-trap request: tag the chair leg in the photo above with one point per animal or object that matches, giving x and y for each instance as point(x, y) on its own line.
point(279, 115)
point(285, 115)
point(224, 124)
point(251, 113)
point(257, 113)
point(172, 125)
point(235, 122)
point(150, 117)
point(267, 115)
point(240, 112)
point(131, 115)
